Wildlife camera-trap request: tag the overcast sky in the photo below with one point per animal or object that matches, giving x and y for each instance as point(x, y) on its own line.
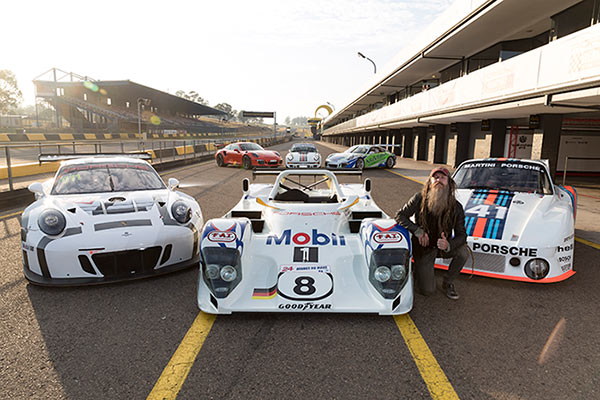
point(261, 55)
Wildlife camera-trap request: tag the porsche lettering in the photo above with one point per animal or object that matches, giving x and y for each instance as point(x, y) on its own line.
point(502, 249)
point(302, 238)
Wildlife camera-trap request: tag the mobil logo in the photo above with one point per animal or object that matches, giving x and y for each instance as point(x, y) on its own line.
point(387, 237)
point(315, 238)
point(222, 236)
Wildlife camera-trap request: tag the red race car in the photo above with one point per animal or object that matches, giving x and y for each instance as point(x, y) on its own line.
point(248, 155)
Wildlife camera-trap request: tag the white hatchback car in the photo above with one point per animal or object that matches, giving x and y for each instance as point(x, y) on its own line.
point(303, 155)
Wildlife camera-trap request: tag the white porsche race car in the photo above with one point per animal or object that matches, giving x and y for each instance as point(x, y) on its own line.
point(303, 155)
point(305, 244)
point(520, 225)
point(106, 219)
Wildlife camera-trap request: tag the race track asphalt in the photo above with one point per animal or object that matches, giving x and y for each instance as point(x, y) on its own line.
point(502, 340)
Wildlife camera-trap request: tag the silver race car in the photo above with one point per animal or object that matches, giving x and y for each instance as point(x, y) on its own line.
point(305, 243)
point(105, 219)
point(303, 155)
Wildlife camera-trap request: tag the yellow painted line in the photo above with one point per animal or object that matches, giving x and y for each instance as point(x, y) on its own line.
point(108, 136)
point(29, 169)
point(65, 136)
point(438, 385)
point(170, 381)
point(7, 216)
point(405, 177)
point(90, 136)
point(4, 137)
point(35, 136)
point(587, 242)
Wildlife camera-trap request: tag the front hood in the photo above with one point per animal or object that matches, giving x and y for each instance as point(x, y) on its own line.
point(113, 202)
point(263, 153)
point(502, 215)
point(336, 157)
point(304, 156)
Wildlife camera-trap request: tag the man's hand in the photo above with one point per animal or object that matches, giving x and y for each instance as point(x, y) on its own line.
point(424, 240)
point(442, 243)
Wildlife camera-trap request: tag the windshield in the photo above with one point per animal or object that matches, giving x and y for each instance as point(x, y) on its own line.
point(106, 177)
point(514, 176)
point(357, 149)
point(303, 148)
point(250, 146)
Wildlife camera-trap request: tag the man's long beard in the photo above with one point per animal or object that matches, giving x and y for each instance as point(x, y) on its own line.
point(437, 199)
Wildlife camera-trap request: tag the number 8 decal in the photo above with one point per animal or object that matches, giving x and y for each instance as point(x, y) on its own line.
point(303, 287)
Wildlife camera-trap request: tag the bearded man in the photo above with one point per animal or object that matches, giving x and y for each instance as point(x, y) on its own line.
point(438, 231)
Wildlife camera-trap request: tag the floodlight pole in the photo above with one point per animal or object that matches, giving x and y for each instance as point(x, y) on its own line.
point(141, 101)
point(274, 124)
point(361, 55)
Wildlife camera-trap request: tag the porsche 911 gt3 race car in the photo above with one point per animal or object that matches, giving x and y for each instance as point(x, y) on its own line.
point(248, 155)
point(520, 225)
point(305, 244)
point(106, 219)
point(303, 155)
point(361, 156)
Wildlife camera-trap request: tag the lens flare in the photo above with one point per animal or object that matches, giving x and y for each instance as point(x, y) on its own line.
point(91, 85)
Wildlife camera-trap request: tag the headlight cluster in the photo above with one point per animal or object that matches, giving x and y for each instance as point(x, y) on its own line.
point(537, 268)
point(221, 270)
point(52, 222)
point(181, 212)
point(388, 271)
point(290, 157)
point(317, 157)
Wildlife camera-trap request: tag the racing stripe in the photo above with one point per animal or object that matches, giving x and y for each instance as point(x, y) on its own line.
point(494, 204)
point(479, 227)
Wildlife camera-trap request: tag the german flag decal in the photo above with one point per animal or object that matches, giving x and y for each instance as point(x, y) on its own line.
point(264, 294)
point(485, 213)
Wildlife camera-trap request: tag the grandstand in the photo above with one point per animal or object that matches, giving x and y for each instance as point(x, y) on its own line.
point(89, 105)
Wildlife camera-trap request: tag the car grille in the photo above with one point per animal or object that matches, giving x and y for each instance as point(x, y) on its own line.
point(487, 262)
point(127, 262)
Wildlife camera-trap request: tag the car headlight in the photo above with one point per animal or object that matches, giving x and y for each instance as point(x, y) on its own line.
point(222, 270)
point(277, 154)
point(228, 273)
point(382, 274)
point(317, 157)
point(388, 271)
point(537, 268)
point(181, 212)
point(290, 157)
point(254, 155)
point(52, 222)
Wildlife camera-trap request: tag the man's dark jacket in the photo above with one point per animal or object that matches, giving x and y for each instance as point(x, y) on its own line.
point(413, 207)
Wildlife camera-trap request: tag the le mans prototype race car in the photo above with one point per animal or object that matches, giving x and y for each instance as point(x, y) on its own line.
point(305, 244)
point(362, 156)
point(303, 155)
point(520, 225)
point(248, 155)
point(106, 219)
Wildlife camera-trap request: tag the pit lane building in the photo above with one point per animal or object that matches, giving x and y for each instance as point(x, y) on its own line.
point(489, 78)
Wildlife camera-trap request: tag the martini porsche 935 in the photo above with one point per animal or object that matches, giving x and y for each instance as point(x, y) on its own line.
point(305, 243)
point(105, 219)
point(520, 225)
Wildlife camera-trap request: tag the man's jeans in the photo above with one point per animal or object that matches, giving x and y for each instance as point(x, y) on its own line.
point(425, 259)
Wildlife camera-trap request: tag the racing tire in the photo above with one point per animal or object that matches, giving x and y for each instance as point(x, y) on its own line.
point(390, 162)
point(360, 164)
point(246, 162)
point(220, 161)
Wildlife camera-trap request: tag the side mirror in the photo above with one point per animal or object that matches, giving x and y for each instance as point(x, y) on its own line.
point(173, 183)
point(368, 185)
point(37, 189)
point(245, 185)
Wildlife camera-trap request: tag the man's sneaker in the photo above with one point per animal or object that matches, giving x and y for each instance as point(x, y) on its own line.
point(450, 291)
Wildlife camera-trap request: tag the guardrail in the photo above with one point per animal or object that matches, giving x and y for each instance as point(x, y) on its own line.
point(22, 159)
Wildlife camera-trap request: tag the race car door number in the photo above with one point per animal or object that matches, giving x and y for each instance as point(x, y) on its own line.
point(304, 285)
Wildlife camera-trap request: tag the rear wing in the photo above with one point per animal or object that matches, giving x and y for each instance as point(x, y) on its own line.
point(276, 171)
point(42, 158)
